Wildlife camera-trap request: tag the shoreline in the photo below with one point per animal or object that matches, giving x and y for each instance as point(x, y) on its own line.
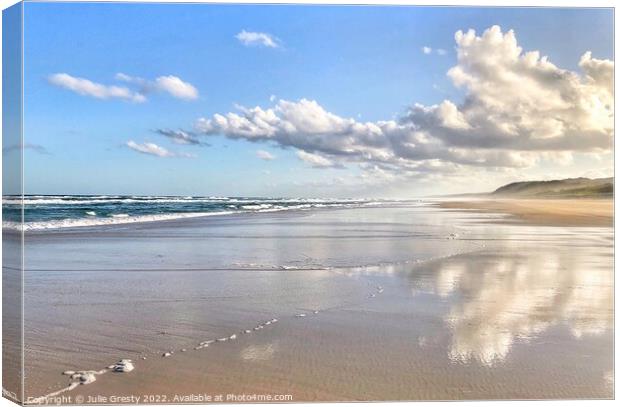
point(542, 212)
point(172, 218)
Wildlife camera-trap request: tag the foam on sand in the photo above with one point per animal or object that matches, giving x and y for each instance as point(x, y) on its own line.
point(123, 366)
point(117, 219)
point(83, 377)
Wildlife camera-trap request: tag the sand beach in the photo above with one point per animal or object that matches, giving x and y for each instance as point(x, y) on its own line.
point(407, 301)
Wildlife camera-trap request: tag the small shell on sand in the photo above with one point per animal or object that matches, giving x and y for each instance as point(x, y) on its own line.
point(199, 347)
point(373, 295)
point(69, 372)
point(232, 337)
point(247, 331)
point(258, 327)
point(184, 350)
point(315, 312)
point(143, 357)
point(167, 354)
point(268, 323)
point(274, 320)
point(300, 315)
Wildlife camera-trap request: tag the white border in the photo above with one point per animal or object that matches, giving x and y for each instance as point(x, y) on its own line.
point(483, 3)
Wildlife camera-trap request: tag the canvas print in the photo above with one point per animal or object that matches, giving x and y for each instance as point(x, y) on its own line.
point(208, 203)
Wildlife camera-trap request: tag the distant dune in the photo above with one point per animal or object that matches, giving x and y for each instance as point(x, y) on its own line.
point(565, 188)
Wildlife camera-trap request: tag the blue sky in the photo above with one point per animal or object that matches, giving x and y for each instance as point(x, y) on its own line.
point(363, 63)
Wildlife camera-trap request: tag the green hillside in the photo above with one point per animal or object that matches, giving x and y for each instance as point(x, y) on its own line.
point(565, 188)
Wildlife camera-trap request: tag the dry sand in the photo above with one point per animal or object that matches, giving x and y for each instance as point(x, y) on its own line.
point(555, 212)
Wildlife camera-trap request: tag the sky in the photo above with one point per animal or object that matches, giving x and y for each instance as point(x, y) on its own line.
point(325, 101)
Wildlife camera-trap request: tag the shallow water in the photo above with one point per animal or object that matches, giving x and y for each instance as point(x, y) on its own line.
point(413, 303)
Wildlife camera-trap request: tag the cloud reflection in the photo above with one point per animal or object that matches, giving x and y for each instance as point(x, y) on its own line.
point(499, 299)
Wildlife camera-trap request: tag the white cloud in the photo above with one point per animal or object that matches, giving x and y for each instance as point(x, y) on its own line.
point(154, 149)
point(149, 148)
point(170, 84)
point(176, 87)
point(250, 38)
point(307, 126)
point(86, 87)
point(519, 110)
point(265, 155)
point(429, 50)
point(316, 160)
point(521, 101)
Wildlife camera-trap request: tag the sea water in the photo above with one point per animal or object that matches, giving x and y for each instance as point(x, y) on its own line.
point(42, 212)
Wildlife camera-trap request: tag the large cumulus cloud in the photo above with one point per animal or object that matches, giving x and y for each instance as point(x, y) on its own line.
point(518, 109)
point(521, 101)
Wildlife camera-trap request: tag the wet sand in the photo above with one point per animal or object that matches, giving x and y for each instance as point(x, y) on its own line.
point(555, 212)
point(414, 303)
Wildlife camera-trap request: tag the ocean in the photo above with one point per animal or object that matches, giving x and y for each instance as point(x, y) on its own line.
point(43, 212)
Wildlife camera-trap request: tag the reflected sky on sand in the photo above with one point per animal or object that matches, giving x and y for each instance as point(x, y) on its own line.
point(499, 297)
point(521, 283)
